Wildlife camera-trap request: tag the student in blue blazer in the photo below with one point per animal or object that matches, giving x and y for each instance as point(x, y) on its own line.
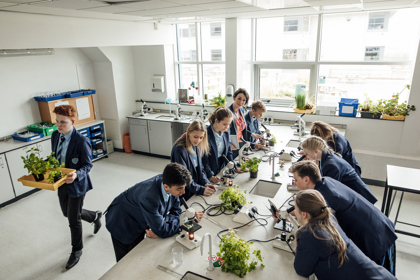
point(334, 166)
point(150, 208)
point(252, 119)
point(219, 141)
point(362, 222)
point(336, 142)
point(324, 249)
point(188, 150)
point(238, 125)
point(75, 151)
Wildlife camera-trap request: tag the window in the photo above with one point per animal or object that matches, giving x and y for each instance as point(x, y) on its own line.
point(296, 24)
point(204, 66)
point(378, 20)
point(374, 53)
point(294, 54)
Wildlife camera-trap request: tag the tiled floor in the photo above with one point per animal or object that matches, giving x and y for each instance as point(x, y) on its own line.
point(35, 238)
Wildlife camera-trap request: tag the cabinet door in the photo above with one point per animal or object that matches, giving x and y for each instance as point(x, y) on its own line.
point(160, 138)
point(139, 138)
point(6, 187)
point(16, 169)
point(44, 148)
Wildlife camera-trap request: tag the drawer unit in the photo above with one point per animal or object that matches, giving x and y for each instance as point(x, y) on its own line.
point(95, 127)
point(96, 133)
point(96, 141)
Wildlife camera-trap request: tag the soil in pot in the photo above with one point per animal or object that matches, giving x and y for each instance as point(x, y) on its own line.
point(39, 177)
point(56, 178)
point(253, 174)
point(271, 143)
point(370, 115)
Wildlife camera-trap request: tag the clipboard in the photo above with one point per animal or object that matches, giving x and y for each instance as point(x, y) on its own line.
point(234, 141)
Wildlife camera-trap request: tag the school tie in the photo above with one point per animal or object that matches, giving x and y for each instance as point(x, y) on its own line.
point(256, 125)
point(60, 148)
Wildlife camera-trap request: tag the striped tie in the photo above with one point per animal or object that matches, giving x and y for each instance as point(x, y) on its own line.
point(59, 148)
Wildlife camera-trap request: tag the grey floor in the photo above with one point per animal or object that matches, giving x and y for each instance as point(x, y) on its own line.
point(35, 238)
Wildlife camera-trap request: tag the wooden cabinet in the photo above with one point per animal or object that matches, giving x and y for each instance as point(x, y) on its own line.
point(6, 187)
point(139, 135)
point(160, 137)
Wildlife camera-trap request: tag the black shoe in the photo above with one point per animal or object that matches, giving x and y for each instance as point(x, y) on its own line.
point(74, 259)
point(97, 222)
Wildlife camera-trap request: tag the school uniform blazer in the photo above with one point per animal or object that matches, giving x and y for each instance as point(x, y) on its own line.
point(79, 157)
point(211, 161)
point(342, 146)
point(314, 255)
point(180, 155)
point(337, 168)
point(233, 127)
point(362, 222)
point(141, 207)
point(251, 129)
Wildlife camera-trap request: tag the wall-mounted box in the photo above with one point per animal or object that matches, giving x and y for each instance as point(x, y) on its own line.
point(326, 110)
point(158, 83)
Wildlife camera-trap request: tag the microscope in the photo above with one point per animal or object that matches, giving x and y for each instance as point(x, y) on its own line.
point(189, 225)
point(301, 125)
point(143, 109)
point(204, 113)
point(267, 137)
point(177, 112)
point(288, 229)
point(228, 173)
point(244, 151)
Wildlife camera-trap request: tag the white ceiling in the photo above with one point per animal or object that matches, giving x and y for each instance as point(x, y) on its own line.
point(172, 11)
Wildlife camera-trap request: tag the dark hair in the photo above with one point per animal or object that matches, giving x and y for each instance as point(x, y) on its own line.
point(65, 110)
point(313, 203)
point(220, 114)
point(241, 91)
point(176, 174)
point(306, 168)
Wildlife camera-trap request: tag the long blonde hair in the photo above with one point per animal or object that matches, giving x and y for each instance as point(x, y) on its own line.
point(313, 203)
point(323, 130)
point(184, 140)
point(317, 143)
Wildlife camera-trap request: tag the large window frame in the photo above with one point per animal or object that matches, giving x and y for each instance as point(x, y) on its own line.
point(314, 67)
point(199, 62)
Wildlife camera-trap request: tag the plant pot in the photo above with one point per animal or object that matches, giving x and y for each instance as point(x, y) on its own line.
point(271, 143)
point(393, 118)
point(253, 174)
point(370, 115)
point(39, 177)
point(308, 111)
point(56, 178)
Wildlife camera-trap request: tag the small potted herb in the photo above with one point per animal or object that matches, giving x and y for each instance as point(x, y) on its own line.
point(239, 256)
point(218, 101)
point(370, 109)
point(232, 197)
point(252, 164)
point(54, 165)
point(392, 110)
point(272, 141)
point(35, 164)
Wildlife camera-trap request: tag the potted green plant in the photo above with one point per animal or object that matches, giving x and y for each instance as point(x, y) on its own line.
point(303, 104)
point(218, 101)
point(370, 109)
point(54, 166)
point(392, 110)
point(232, 197)
point(252, 164)
point(238, 256)
point(35, 164)
point(272, 141)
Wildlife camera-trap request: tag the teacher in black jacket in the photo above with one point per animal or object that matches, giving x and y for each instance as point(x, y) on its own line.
point(75, 151)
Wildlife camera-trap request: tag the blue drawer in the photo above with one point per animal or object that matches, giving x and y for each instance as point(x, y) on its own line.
point(20, 137)
point(84, 130)
point(96, 133)
point(98, 155)
point(86, 134)
point(95, 127)
point(96, 141)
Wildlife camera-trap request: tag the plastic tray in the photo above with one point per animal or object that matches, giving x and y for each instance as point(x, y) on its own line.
point(89, 91)
point(98, 155)
point(84, 130)
point(348, 107)
point(98, 126)
point(74, 93)
point(45, 99)
point(29, 180)
point(46, 131)
point(96, 141)
point(86, 134)
point(18, 136)
point(96, 133)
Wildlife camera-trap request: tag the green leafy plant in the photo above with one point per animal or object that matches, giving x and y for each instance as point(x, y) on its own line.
point(300, 101)
point(392, 107)
point(273, 138)
point(231, 197)
point(54, 165)
point(219, 101)
point(34, 163)
point(239, 256)
point(366, 105)
point(252, 164)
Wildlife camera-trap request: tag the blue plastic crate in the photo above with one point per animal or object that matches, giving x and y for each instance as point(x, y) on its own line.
point(98, 126)
point(348, 107)
point(96, 141)
point(74, 93)
point(98, 155)
point(86, 134)
point(20, 137)
point(96, 133)
point(84, 130)
point(51, 98)
point(89, 91)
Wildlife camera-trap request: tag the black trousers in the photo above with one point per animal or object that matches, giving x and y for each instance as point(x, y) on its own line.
point(122, 249)
point(72, 209)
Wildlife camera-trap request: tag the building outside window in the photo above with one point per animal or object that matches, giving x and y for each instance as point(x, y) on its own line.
point(374, 53)
point(296, 24)
point(378, 20)
point(216, 29)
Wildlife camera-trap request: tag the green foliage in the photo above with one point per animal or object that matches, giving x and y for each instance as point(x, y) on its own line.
point(53, 164)
point(33, 163)
point(232, 195)
point(219, 101)
point(252, 164)
point(392, 108)
point(274, 139)
point(372, 107)
point(236, 255)
point(300, 101)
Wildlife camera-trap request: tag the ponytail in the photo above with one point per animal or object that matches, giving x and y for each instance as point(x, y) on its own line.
point(220, 114)
point(325, 131)
point(317, 143)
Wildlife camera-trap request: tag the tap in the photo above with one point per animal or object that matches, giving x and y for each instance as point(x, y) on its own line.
point(272, 158)
point(210, 253)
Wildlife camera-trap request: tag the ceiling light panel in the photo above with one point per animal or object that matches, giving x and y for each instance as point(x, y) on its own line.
point(111, 9)
point(222, 5)
point(195, 2)
point(165, 11)
point(19, 1)
point(146, 5)
point(70, 4)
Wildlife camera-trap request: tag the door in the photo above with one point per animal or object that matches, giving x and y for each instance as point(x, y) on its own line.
point(139, 135)
point(160, 137)
point(6, 187)
point(16, 169)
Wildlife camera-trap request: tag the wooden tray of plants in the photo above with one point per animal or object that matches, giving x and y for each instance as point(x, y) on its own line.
point(308, 111)
point(46, 184)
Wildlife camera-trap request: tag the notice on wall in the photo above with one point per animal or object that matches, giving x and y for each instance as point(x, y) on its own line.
point(59, 103)
point(82, 107)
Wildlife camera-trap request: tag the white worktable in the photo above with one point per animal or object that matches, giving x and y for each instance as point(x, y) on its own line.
point(141, 262)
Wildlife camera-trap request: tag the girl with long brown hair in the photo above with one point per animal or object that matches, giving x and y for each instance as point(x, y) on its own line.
point(332, 165)
point(336, 142)
point(324, 249)
point(188, 150)
point(238, 125)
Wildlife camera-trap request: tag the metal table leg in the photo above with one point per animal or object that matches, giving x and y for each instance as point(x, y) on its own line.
point(385, 196)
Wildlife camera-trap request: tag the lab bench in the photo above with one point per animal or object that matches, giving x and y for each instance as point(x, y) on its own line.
point(11, 164)
point(142, 261)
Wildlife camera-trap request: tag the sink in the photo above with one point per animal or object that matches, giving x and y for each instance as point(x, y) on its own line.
point(293, 144)
point(164, 117)
point(266, 188)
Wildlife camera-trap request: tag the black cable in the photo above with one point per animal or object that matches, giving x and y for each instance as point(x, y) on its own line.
point(237, 227)
point(266, 222)
point(262, 241)
point(204, 209)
